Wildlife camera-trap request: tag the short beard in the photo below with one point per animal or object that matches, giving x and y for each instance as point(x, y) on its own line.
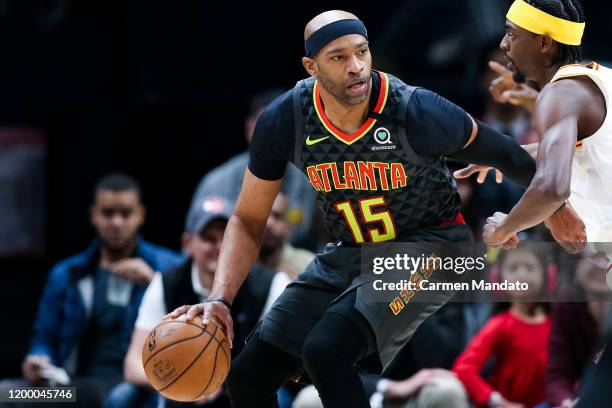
point(518, 78)
point(266, 251)
point(340, 93)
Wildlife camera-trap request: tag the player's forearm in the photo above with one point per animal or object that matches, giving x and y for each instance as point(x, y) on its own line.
point(492, 148)
point(550, 187)
point(241, 245)
point(537, 204)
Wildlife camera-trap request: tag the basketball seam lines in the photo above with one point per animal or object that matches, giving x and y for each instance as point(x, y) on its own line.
point(193, 361)
point(177, 342)
point(212, 374)
point(219, 347)
point(180, 321)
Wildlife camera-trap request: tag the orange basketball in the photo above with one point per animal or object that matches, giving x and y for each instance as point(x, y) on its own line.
point(186, 361)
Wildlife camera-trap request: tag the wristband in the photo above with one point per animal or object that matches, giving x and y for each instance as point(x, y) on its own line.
point(219, 299)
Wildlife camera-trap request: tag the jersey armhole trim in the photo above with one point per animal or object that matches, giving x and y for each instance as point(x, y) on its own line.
point(299, 125)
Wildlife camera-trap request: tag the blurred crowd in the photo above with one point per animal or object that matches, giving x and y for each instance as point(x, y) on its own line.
point(98, 306)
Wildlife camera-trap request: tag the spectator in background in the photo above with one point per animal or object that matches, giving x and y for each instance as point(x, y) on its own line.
point(596, 385)
point(226, 181)
point(575, 340)
point(516, 338)
point(89, 304)
point(276, 252)
point(188, 284)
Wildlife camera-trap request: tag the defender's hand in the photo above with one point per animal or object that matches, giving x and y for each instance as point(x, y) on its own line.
point(493, 236)
point(213, 310)
point(567, 229)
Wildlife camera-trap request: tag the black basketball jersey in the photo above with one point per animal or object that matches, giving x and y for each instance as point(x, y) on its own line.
point(371, 185)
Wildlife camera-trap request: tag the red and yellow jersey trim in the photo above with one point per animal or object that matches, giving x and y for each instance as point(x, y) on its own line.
point(574, 70)
point(365, 128)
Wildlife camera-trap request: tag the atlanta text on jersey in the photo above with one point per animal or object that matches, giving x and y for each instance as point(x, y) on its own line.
point(359, 175)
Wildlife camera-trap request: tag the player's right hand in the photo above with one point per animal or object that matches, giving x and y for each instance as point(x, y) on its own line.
point(568, 229)
point(213, 310)
point(482, 171)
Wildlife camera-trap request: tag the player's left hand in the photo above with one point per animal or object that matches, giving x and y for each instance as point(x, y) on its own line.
point(567, 229)
point(482, 171)
point(493, 236)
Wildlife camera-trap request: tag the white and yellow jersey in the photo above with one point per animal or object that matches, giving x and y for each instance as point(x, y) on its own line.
point(591, 188)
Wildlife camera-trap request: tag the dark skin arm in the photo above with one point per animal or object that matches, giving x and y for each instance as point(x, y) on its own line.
point(564, 110)
point(241, 245)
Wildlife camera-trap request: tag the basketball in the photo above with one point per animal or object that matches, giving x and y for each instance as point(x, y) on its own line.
point(186, 361)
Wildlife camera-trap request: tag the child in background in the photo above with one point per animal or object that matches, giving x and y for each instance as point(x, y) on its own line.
point(517, 338)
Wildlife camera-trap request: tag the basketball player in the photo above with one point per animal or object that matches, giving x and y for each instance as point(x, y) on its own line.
point(373, 148)
point(542, 43)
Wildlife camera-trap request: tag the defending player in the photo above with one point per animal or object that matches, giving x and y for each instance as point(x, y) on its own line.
point(574, 162)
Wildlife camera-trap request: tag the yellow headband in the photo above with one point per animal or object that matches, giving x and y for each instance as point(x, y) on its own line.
point(538, 22)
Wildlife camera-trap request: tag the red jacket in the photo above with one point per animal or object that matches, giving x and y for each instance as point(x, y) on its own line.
point(521, 354)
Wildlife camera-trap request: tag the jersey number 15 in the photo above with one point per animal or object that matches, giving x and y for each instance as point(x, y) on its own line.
point(386, 232)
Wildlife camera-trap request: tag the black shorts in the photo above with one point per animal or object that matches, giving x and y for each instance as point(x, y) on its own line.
point(333, 282)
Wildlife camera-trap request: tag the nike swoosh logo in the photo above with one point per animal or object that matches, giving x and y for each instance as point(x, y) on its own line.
point(310, 142)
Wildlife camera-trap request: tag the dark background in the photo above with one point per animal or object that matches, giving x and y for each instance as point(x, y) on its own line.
point(160, 90)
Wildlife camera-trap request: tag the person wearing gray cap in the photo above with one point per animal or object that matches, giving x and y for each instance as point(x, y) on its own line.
point(189, 283)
